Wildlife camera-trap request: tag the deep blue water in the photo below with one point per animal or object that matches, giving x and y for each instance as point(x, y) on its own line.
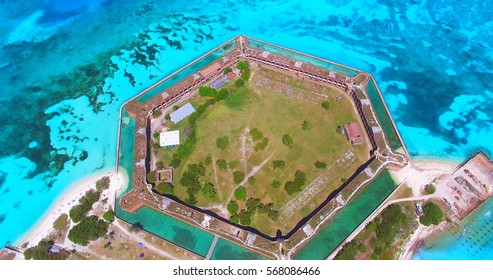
point(67, 66)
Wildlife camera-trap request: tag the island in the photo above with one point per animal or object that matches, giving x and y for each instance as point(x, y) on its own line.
point(256, 151)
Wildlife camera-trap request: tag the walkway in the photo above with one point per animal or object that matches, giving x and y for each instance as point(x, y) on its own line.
point(211, 249)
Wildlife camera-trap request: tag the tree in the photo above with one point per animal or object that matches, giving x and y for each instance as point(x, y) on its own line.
point(278, 164)
point(222, 142)
point(167, 117)
point(227, 70)
point(275, 184)
point(287, 140)
point(244, 217)
point(209, 190)
point(238, 177)
point(234, 164)
point(109, 216)
point(207, 91)
point(164, 188)
point(151, 177)
point(242, 65)
point(320, 165)
point(232, 207)
point(252, 204)
point(339, 129)
point(326, 105)
point(208, 160)
point(221, 163)
point(42, 252)
point(239, 83)
point(240, 193)
point(391, 221)
point(432, 214)
point(78, 212)
point(191, 200)
point(155, 135)
point(245, 75)
point(89, 229)
point(295, 186)
point(256, 134)
point(103, 184)
point(234, 218)
point(261, 145)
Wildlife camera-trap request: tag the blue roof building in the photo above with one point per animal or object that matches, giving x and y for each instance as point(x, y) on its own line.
point(219, 82)
point(185, 111)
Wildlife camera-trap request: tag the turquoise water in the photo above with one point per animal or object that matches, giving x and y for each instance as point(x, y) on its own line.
point(173, 230)
point(472, 241)
point(346, 221)
point(225, 250)
point(67, 66)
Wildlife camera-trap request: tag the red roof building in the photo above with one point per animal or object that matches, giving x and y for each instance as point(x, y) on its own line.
point(354, 134)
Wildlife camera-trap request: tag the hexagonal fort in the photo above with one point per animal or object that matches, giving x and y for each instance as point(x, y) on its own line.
point(261, 145)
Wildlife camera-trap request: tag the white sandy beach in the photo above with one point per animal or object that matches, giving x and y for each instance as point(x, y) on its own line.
point(70, 198)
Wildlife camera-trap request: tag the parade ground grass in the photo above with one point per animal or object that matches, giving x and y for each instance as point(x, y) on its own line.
point(269, 106)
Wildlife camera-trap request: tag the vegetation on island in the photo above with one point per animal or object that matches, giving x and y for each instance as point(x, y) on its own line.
point(430, 189)
point(42, 252)
point(89, 229)
point(377, 239)
point(295, 186)
point(326, 105)
point(78, 212)
point(432, 214)
point(240, 193)
point(109, 216)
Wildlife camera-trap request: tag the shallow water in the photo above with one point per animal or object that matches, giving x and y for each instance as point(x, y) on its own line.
point(472, 240)
point(66, 69)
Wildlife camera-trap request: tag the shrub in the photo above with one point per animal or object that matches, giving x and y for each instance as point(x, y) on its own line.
point(278, 164)
point(89, 229)
point(167, 117)
point(239, 83)
point(244, 217)
point(238, 177)
point(222, 142)
point(339, 129)
point(159, 165)
point(157, 113)
point(275, 184)
point(432, 214)
point(430, 189)
point(240, 193)
point(164, 188)
point(208, 160)
point(252, 204)
point(320, 165)
point(232, 207)
point(109, 216)
point(287, 140)
point(251, 180)
point(191, 200)
point(155, 135)
point(61, 222)
point(326, 105)
point(305, 125)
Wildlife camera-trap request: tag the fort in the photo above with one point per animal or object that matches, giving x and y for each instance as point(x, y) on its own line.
point(343, 128)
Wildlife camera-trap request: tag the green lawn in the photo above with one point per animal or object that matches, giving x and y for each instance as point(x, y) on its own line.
point(271, 115)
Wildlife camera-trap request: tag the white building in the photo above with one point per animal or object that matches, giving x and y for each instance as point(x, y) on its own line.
point(169, 138)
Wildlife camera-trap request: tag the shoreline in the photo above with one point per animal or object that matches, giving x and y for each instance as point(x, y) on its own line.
point(66, 201)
